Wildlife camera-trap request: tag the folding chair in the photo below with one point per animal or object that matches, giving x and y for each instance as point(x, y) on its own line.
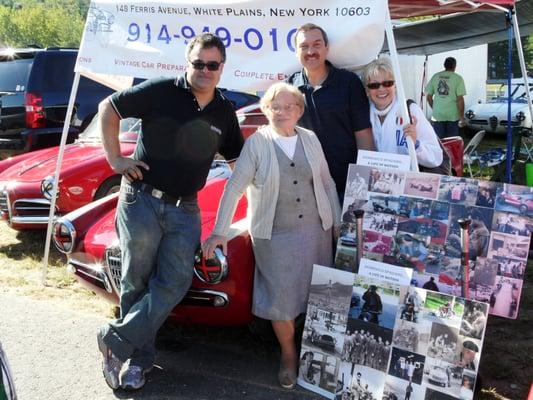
point(470, 154)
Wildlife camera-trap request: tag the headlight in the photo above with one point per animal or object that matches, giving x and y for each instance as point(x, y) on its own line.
point(520, 116)
point(64, 236)
point(47, 186)
point(470, 114)
point(213, 270)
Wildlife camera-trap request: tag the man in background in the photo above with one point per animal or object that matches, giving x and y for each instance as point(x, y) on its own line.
point(444, 94)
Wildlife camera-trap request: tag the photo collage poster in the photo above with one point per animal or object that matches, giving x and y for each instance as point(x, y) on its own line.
point(410, 221)
point(370, 339)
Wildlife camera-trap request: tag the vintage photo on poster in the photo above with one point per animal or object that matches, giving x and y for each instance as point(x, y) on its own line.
point(365, 384)
point(443, 308)
point(410, 251)
point(485, 272)
point(435, 229)
point(515, 199)
point(512, 224)
point(510, 268)
point(327, 310)
point(474, 319)
point(407, 365)
point(386, 181)
point(346, 258)
point(385, 224)
point(422, 185)
point(505, 297)
point(412, 301)
point(457, 190)
point(411, 336)
point(508, 246)
point(468, 353)
point(395, 205)
point(399, 389)
point(318, 372)
point(377, 243)
point(379, 301)
point(357, 183)
point(442, 375)
point(367, 344)
point(486, 193)
point(419, 208)
point(443, 342)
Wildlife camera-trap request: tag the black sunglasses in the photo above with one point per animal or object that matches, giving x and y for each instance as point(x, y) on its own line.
point(376, 85)
point(200, 65)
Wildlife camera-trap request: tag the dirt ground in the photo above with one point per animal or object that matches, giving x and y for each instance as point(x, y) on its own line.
point(506, 366)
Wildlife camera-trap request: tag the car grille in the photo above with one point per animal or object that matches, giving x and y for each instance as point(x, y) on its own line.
point(3, 202)
point(513, 123)
point(114, 263)
point(30, 207)
point(479, 122)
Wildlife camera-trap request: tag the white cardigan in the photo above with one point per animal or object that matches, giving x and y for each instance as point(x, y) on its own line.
point(257, 170)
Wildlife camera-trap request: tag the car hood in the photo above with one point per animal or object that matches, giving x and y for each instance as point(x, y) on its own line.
point(102, 233)
point(497, 108)
point(42, 163)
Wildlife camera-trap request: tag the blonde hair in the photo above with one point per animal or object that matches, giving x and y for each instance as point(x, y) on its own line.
point(276, 89)
point(382, 64)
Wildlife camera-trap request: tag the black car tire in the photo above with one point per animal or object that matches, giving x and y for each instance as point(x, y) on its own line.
point(110, 185)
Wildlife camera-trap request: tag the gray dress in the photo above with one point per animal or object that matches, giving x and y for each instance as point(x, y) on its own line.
point(284, 263)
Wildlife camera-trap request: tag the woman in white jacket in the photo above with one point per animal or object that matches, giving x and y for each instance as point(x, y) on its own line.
point(389, 135)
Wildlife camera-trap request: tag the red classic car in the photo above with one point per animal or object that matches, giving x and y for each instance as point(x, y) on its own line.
point(524, 203)
point(220, 294)
point(26, 181)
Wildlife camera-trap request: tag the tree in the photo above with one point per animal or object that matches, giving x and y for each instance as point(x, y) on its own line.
point(498, 55)
point(42, 23)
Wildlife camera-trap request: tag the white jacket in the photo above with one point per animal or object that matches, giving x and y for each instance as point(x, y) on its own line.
point(389, 137)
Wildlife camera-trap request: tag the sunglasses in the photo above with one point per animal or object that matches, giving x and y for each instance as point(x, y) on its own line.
point(200, 65)
point(376, 85)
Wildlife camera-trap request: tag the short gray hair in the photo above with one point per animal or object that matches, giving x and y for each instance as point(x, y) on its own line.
point(277, 88)
point(382, 64)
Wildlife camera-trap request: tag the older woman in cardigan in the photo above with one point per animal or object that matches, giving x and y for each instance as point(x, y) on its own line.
point(294, 212)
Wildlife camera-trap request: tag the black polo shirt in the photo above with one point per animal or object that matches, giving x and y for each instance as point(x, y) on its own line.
point(178, 140)
point(334, 111)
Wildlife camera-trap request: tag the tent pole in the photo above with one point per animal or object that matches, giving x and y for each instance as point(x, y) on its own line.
point(508, 158)
point(523, 69)
point(64, 136)
point(400, 93)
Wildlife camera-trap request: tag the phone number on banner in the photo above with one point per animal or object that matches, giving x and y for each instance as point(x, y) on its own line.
point(252, 38)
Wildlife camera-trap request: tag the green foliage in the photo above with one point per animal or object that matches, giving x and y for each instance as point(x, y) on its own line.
point(42, 23)
point(498, 55)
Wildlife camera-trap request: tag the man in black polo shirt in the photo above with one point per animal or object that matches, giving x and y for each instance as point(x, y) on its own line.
point(336, 105)
point(185, 122)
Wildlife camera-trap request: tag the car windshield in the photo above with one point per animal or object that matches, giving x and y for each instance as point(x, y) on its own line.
point(128, 128)
point(521, 100)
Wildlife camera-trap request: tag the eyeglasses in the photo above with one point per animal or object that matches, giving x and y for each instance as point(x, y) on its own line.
point(275, 108)
point(376, 85)
point(200, 65)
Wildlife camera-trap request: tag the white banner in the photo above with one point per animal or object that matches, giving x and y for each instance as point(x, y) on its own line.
point(148, 39)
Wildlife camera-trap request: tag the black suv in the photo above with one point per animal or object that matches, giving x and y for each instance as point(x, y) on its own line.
point(35, 87)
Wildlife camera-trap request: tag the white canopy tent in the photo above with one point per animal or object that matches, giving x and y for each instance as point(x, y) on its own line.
point(148, 38)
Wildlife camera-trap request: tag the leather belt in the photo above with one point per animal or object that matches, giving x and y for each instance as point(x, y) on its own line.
point(158, 194)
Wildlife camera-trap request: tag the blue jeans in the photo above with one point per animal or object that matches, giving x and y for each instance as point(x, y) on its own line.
point(158, 241)
point(445, 129)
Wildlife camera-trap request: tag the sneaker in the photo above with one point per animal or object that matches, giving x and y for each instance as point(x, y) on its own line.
point(111, 365)
point(133, 377)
